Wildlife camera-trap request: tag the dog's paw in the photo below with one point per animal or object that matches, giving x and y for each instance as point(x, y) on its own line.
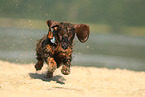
point(49, 74)
point(65, 70)
point(38, 66)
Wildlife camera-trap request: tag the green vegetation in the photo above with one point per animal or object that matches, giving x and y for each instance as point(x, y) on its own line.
point(103, 15)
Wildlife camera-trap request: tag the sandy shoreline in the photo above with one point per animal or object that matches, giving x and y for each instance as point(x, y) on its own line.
point(23, 81)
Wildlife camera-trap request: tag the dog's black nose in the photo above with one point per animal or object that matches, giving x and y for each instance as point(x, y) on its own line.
point(65, 46)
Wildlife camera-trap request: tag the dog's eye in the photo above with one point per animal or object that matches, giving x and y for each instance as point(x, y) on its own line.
point(60, 36)
point(71, 34)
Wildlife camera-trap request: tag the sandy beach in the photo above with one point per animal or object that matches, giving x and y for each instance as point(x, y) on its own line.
point(21, 80)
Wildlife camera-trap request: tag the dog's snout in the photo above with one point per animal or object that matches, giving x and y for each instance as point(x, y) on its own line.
point(65, 43)
point(65, 39)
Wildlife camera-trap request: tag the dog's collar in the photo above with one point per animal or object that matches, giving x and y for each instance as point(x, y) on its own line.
point(52, 40)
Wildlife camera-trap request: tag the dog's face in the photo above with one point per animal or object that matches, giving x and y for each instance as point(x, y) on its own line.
point(64, 33)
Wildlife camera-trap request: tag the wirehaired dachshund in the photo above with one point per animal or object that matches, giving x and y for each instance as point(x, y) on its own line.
point(56, 47)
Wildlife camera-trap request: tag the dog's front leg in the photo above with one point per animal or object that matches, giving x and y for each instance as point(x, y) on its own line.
point(66, 67)
point(51, 66)
point(48, 56)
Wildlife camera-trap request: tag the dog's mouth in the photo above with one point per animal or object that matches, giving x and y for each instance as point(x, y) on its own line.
point(64, 43)
point(64, 46)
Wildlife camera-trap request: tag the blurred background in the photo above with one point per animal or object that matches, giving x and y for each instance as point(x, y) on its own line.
point(117, 38)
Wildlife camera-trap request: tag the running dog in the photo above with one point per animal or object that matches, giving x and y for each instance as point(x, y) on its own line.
point(56, 47)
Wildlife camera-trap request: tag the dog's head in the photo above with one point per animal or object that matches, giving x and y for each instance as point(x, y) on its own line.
point(64, 32)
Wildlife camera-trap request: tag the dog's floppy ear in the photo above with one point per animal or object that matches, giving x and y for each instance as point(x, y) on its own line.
point(51, 24)
point(82, 32)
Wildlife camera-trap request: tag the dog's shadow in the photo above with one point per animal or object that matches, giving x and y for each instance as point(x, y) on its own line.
point(59, 79)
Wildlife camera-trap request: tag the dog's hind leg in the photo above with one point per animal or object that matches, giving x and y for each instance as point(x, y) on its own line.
point(40, 59)
point(39, 63)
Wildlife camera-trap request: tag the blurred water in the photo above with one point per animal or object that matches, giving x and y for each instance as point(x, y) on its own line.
point(101, 50)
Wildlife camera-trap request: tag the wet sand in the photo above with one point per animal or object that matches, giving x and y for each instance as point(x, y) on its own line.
point(19, 80)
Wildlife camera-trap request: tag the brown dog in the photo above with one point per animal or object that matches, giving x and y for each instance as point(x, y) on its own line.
point(59, 52)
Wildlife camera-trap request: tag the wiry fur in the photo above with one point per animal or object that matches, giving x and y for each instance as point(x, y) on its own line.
point(60, 52)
